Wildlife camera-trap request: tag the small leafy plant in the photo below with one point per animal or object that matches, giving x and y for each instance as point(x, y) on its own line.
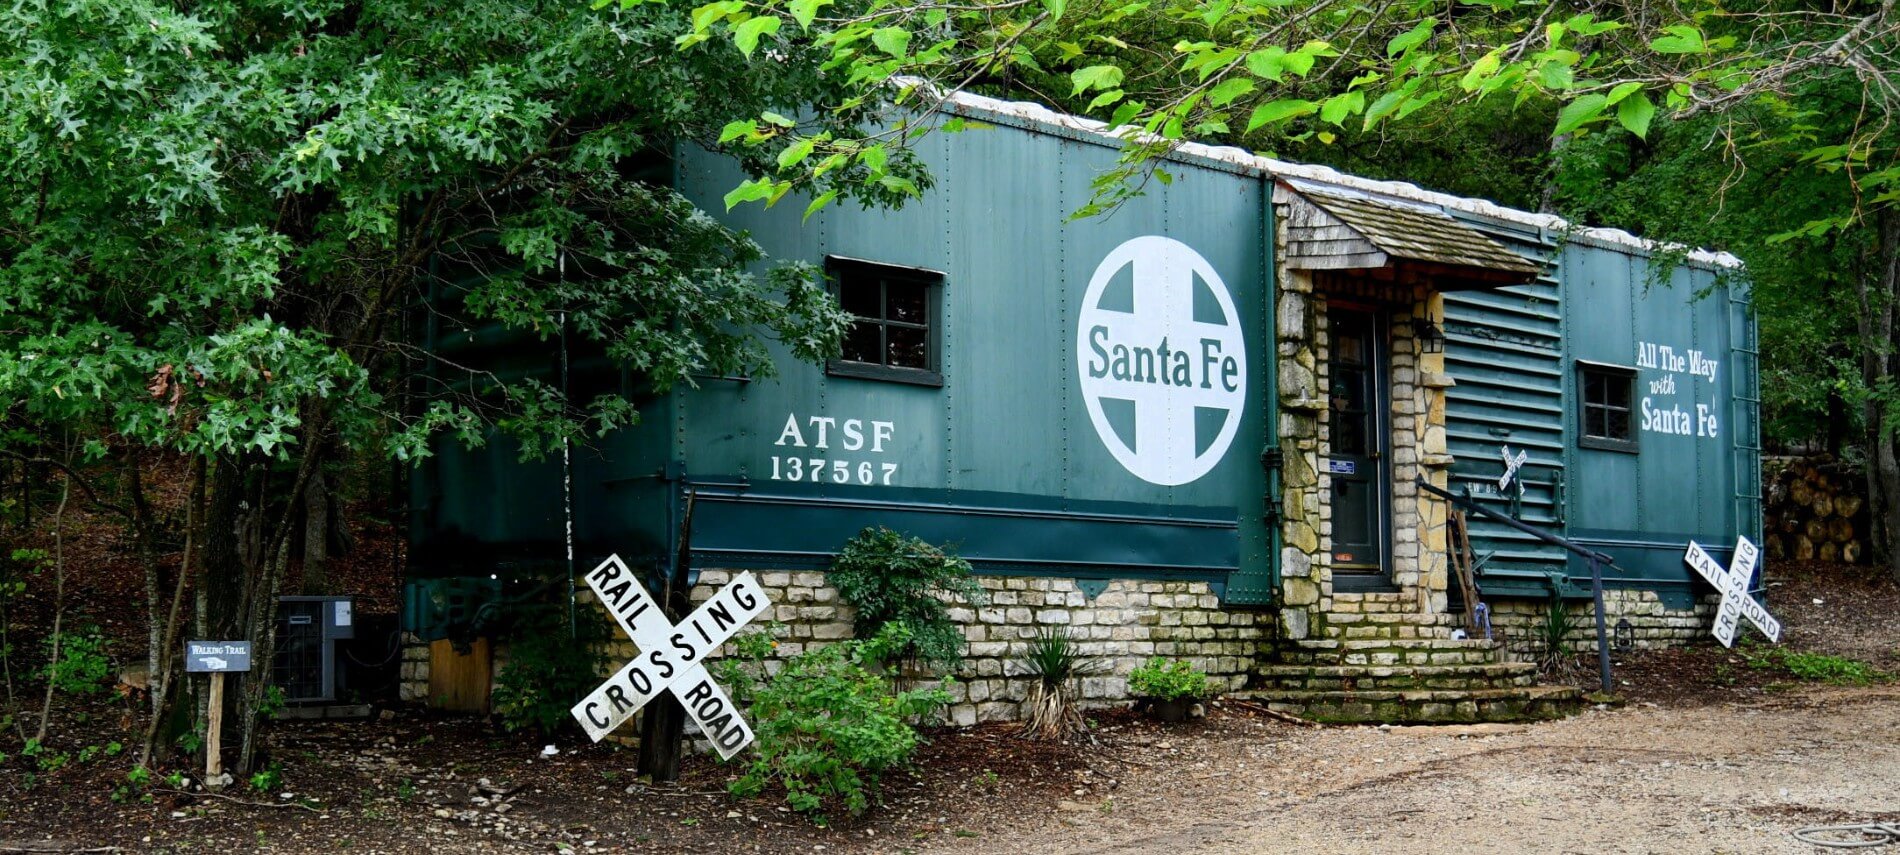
point(269, 779)
point(82, 668)
point(829, 722)
point(1162, 680)
point(548, 667)
point(889, 578)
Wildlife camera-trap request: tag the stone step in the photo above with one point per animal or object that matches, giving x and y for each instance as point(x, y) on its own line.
point(1518, 703)
point(1388, 651)
point(1413, 618)
point(1488, 675)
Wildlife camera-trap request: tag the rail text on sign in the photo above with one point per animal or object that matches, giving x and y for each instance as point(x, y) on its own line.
point(671, 656)
point(1733, 583)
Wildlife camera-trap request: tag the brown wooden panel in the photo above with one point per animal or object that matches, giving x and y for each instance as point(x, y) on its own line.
point(458, 682)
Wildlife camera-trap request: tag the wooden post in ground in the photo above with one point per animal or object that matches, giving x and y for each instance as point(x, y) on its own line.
point(214, 728)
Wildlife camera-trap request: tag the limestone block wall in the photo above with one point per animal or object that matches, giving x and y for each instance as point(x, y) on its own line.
point(1118, 629)
point(1652, 624)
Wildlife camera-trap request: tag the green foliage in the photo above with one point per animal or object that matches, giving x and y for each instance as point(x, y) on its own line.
point(549, 669)
point(1054, 657)
point(269, 779)
point(829, 722)
point(216, 218)
point(83, 668)
point(1815, 667)
point(1556, 653)
point(889, 578)
point(1165, 680)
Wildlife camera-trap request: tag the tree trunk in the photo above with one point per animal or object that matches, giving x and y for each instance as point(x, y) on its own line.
point(162, 677)
point(316, 534)
point(1876, 292)
point(144, 535)
point(59, 605)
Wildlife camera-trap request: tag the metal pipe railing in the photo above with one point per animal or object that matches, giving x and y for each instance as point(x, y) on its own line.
point(1596, 559)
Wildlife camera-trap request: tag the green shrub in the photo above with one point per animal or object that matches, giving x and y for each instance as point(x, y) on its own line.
point(83, 668)
point(1165, 681)
point(890, 578)
point(829, 723)
point(548, 669)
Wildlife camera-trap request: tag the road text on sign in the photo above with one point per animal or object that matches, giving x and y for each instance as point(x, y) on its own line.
point(216, 656)
point(671, 656)
point(1732, 583)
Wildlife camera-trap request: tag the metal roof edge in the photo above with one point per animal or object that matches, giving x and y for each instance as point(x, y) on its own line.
point(1248, 162)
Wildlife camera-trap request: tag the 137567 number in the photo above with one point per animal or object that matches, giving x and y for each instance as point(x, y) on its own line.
point(820, 470)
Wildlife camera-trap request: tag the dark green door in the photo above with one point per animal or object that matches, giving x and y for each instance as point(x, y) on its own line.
point(1357, 372)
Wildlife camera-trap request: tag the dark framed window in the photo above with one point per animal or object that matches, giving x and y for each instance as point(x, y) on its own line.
point(1605, 422)
point(895, 324)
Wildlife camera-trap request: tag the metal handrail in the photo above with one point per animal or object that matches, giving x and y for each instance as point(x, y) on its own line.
point(1596, 559)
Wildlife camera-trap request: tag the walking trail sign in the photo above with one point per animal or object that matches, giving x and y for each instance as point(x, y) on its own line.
point(1733, 586)
point(671, 657)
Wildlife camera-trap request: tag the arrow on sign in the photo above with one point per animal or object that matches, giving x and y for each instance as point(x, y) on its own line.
point(1733, 585)
point(671, 656)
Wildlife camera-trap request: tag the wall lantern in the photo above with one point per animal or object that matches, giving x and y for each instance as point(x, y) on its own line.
point(1431, 339)
point(1625, 635)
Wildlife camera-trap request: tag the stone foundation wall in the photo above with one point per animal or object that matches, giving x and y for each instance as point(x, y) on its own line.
point(1119, 628)
point(1653, 625)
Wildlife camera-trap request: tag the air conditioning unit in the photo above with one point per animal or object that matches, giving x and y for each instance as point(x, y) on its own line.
point(307, 631)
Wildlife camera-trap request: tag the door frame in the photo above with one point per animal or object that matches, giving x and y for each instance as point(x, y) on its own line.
point(1379, 406)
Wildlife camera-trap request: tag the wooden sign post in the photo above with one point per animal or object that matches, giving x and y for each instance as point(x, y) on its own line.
point(216, 658)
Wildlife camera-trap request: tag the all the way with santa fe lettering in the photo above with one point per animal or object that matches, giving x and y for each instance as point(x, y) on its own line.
point(670, 657)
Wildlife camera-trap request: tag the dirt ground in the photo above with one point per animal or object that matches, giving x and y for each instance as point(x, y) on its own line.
point(1715, 752)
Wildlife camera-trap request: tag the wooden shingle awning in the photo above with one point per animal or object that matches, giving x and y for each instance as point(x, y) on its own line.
point(1332, 230)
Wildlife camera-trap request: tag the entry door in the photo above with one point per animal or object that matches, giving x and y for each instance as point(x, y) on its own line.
point(1359, 437)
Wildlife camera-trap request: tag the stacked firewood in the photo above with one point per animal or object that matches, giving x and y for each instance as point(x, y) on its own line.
point(1815, 508)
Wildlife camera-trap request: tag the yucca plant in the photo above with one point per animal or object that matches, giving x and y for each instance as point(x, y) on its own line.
point(1054, 659)
point(1556, 656)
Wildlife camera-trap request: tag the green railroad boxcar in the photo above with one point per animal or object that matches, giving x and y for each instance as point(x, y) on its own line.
point(1210, 410)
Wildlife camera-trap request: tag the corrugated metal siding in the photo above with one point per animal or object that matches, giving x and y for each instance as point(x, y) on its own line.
point(1504, 347)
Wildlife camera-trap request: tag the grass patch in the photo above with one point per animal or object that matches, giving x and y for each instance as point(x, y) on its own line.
point(1816, 667)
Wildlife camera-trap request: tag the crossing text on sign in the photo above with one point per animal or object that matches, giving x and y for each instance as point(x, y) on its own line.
point(671, 656)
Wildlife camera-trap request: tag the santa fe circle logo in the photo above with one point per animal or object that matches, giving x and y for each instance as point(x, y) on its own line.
point(1162, 360)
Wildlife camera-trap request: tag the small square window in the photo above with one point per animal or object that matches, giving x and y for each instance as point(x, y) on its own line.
point(1604, 417)
point(893, 334)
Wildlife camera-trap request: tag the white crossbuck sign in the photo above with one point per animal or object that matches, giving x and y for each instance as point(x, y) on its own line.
point(671, 657)
point(1733, 585)
point(1511, 465)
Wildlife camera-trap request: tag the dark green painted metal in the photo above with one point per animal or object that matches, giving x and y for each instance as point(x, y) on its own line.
point(1674, 488)
point(1504, 350)
point(1006, 442)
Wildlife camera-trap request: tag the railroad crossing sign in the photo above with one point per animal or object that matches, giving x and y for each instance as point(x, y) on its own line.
point(671, 657)
point(1511, 465)
point(1733, 585)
